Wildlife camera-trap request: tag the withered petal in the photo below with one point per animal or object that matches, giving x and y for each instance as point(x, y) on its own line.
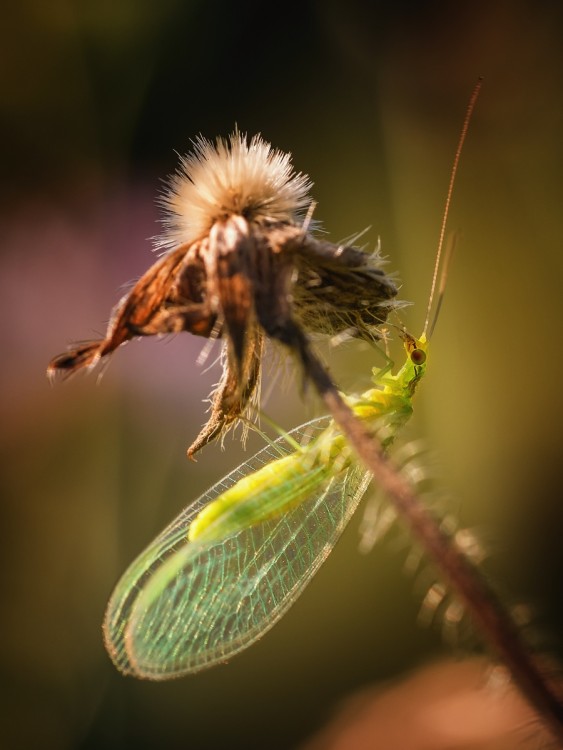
point(234, 392)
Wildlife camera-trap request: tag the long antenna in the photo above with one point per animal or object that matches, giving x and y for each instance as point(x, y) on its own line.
point(466, 121)
point(450, 247)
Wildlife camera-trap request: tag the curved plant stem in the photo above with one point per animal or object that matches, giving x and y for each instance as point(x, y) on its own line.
point(488, 615)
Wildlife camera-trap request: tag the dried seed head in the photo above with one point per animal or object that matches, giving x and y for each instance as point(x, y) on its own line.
point(240, 264)
point(233, 176)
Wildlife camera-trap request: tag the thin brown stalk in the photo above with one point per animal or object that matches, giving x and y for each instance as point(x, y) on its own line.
point(483, 606)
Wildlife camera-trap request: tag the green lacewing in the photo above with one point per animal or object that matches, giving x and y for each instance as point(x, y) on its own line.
point(232, 563)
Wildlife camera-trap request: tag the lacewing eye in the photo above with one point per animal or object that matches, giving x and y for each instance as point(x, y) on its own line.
point(418, 356)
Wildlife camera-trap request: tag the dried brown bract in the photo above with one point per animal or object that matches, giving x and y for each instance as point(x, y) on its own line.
point(239, 263)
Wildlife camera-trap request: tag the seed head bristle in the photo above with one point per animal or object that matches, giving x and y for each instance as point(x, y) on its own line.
point(232, 176)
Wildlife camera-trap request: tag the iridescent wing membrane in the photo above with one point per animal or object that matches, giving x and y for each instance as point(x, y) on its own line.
point(184, 606)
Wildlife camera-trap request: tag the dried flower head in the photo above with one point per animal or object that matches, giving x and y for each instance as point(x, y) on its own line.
point(240, 263)
point(232, 177)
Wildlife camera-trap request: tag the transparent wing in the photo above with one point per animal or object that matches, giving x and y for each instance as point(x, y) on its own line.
point(183, 606)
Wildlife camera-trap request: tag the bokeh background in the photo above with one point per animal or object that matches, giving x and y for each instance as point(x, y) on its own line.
point(369, 97)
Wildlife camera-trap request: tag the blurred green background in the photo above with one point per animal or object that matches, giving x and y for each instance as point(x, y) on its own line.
point(369, 98)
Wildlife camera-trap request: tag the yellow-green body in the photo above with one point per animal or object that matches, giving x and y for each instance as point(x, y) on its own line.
point(284, 483)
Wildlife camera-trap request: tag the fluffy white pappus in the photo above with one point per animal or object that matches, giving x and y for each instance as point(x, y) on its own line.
point(233, 176)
